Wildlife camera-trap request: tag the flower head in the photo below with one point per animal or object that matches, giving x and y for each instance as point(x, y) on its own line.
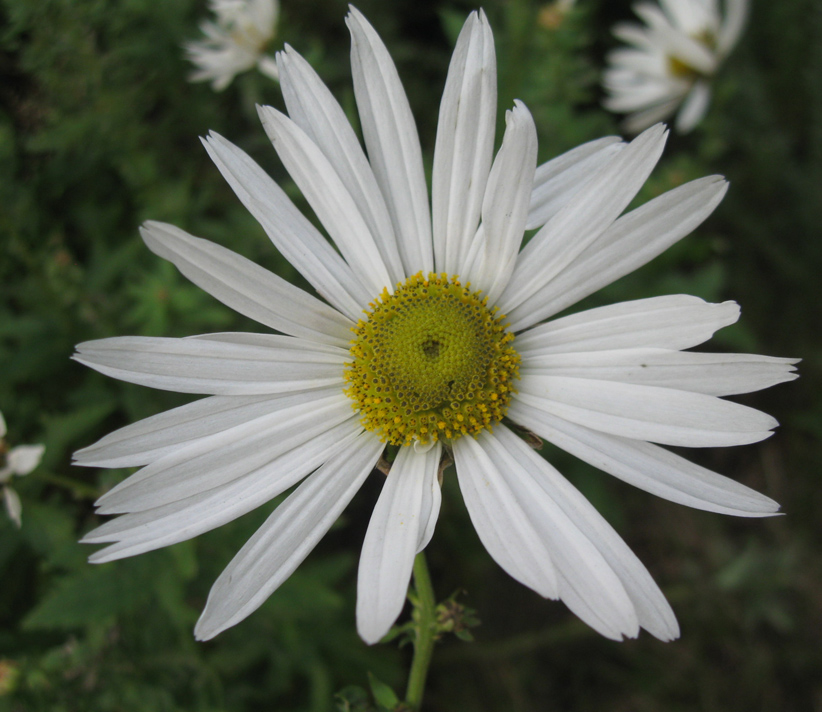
point(671, 60)
point(18, 461)
point(235, 43)
point(431, 335)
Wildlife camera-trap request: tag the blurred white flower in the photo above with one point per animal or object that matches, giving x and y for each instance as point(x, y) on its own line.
point(236, 42)
point(671, 60)
point(17, 461)
point(411, 348)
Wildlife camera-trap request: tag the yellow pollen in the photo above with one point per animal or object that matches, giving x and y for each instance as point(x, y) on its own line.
point(431, 361)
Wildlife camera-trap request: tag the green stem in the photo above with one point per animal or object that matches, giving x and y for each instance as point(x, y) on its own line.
point(426, 630)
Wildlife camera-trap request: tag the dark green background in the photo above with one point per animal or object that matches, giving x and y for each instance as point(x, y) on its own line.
point(98, 132)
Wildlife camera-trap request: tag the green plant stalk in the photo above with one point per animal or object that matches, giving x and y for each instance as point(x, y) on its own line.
point(425, 625)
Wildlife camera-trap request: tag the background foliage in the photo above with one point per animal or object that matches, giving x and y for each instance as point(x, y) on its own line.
point(98, 132)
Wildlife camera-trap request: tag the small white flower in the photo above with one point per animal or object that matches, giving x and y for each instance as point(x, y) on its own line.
point(18, 461)
point(236, 42)
point(404, 351)
point(671, 60)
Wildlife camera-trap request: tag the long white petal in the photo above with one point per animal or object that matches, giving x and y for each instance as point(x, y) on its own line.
point(213, 462)
point(279, 546)
point(325, 191)
point(492, 257)
point(149, 439)
point(736, 14)
point(14, 507)
point(209, 364)
point(641, 120)
point(642, 94)
point(138, 532)
point(504, 528)
point(391, 541)
point(660, 415)
point(246, 287)
point(652, 609)
point(649, 467)
point(430, 509)
point(694, 107)
point(584, 218)
point(290, 231)
point(312, 106)
point(465, 143)
point(632, 241)
point(586, 581)
point(677, 321)
point(558, 180)
point(392, 142)
point(709, 373)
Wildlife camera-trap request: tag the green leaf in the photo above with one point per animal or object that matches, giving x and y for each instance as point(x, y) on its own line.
point(94, 595)
point(383, 694)
point(353, 698)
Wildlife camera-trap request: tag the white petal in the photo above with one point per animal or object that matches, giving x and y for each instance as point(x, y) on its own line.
point(391, 542)
point(586, 581)
point(246, 287)
point(267, 66)
point(3, 429)
point(430, 509)
point(558, 180)
point(652, 610)
point(14, 508)
point(139, 532)
point(641, 120)
point(627, 66)
point(645, 92)
point(147, 440)
point(632, 241)
point(636, 35)
point(677, 43)
point(736, 14)
point(294, 236)
point(685, 15)
point(503, 526)
point(647, 466)
point(505, 206)
point(213, 462)
point(325, 191)
point(392, 142)
point(677, 321)
point(24, 458)
point(210, 364)
point(584, 218)
point(287, 537)
point(660, 415)
point(312, 106)
point(465, 143)
point(709, 373)
point(694, 107)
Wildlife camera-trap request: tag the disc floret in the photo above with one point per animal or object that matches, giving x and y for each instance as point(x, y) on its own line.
point(431, 361)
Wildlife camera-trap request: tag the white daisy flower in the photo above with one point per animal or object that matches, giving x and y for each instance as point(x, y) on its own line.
point(671, 60)
point(18, 461)
point(410, 348)
point(235, 43)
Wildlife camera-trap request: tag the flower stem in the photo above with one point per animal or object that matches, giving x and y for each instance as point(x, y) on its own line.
point(425, 629)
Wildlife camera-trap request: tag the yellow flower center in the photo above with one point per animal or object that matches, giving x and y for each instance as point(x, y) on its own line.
point(431, 361)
